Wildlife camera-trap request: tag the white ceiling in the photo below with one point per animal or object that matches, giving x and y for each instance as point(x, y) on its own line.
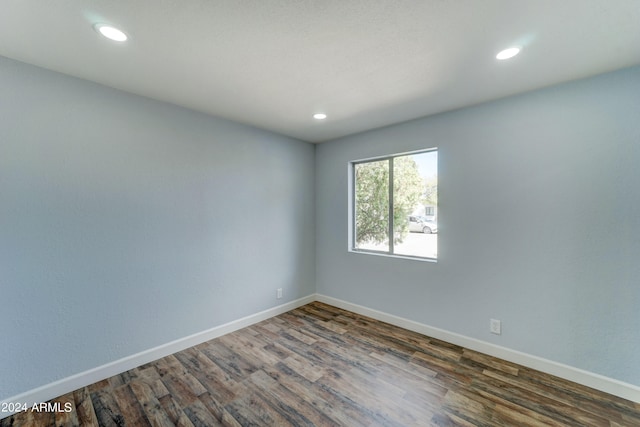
point(366, 63)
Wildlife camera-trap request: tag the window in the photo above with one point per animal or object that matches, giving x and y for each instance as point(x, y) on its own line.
point(394, 205)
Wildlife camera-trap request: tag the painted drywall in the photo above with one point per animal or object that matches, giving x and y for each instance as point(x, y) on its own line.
point(539, 212)
point(127, 223)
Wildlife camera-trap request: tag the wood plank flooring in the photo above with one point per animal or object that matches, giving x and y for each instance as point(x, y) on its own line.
point(321, 366)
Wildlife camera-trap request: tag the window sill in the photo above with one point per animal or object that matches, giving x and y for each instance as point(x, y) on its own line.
point(388, 255)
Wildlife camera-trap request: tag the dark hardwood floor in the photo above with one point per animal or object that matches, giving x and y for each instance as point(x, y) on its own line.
point(322, 366)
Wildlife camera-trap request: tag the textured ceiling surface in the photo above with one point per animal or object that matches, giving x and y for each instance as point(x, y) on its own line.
point(365, 63)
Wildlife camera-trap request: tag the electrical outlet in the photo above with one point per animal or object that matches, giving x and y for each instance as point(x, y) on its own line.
point(495, 326)
point(279, 293)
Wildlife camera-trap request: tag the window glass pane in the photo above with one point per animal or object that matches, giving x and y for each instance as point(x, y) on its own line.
point(415, 201)
point(372, 205)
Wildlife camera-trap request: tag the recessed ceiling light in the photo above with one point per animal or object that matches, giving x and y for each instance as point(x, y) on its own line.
point(319, 116)
point(508, 53)
point(112, 33)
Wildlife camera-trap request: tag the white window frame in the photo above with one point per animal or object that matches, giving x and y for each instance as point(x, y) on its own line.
point(352, 207)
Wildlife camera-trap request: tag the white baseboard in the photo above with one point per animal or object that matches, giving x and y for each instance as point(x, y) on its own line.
point(83, 379)
point(579, 376)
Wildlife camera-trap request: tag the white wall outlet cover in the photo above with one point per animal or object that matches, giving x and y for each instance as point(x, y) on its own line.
point(495, 326)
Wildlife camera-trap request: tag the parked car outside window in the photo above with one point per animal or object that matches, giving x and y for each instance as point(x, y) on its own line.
point(420, 224)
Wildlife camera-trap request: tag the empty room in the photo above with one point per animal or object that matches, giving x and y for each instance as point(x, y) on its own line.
point(320, 213)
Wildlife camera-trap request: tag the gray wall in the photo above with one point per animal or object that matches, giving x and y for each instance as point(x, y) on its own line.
point(126, 223)
point(539, 219)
